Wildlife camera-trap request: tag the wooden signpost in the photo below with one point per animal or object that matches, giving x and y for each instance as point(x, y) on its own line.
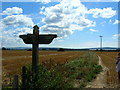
point(35, 39)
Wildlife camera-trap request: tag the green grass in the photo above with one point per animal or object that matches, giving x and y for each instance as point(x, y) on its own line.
point(83, 69)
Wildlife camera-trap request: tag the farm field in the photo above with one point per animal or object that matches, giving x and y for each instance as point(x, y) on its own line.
point(14, 60)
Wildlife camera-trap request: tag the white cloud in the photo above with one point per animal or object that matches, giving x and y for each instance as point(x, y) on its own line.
point(43, 1)
point(12, 36)
point(116, 22)
point(100, 0)
point(47, 1)
point(42, 8)
point(16, 32)
point(116, 36)
point(115, 0)
point(104, 13)
point(21, 31)
point(2, 26)
point(13, 23)
point(53, 19)
point(17, 20)
point(13, 10)
point(65, 17)
point(60, 31)
point(93, 30)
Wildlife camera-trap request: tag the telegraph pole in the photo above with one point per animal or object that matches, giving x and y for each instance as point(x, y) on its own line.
point(101, 43)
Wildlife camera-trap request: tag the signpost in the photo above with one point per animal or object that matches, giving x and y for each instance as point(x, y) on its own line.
point(35, 39)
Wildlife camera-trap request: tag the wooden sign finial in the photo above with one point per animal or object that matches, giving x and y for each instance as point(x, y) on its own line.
point(36, 27)
point(36, 30)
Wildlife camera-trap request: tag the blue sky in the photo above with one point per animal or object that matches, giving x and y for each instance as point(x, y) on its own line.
point(77, 24)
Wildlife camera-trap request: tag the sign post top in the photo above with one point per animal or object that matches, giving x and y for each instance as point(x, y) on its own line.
point(36, 27)
point(35, 39)
point(38, 38)
point(36, 30)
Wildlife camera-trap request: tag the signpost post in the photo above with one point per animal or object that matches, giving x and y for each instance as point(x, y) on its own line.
point(35, 39)
point(35, 45)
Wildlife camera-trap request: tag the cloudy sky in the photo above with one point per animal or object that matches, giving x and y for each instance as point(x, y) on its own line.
point(78, 24)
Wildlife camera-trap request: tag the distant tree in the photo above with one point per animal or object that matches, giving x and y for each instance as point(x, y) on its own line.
point(43, 49)
point(118, 50)
point(3, 48)
point(96, 49)
point(29, 50)
point(61, 49)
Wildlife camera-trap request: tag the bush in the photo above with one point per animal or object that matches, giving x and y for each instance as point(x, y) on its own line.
point(44, 79)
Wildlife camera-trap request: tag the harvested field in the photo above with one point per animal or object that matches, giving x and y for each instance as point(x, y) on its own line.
point(14, 60)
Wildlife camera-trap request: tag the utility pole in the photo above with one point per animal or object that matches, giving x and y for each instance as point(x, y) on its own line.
point(101, 43)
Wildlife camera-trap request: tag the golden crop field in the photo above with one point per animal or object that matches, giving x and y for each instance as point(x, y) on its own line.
point(14, 60)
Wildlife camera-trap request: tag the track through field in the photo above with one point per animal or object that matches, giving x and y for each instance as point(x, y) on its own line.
point(108, 60)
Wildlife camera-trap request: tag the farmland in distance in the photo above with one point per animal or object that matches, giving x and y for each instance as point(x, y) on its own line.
point(13, 60)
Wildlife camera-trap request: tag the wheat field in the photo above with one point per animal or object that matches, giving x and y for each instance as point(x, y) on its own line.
point(14, 60)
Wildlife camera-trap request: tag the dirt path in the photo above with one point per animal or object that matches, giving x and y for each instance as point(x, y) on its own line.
point(100, 81)
point(108, 77)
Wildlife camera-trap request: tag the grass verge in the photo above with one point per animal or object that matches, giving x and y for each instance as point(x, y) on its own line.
point(82, 70)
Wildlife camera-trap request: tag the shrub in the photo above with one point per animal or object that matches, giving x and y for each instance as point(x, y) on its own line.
point(44, 79)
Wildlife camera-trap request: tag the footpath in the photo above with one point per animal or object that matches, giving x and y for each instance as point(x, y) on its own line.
point(108, 77)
